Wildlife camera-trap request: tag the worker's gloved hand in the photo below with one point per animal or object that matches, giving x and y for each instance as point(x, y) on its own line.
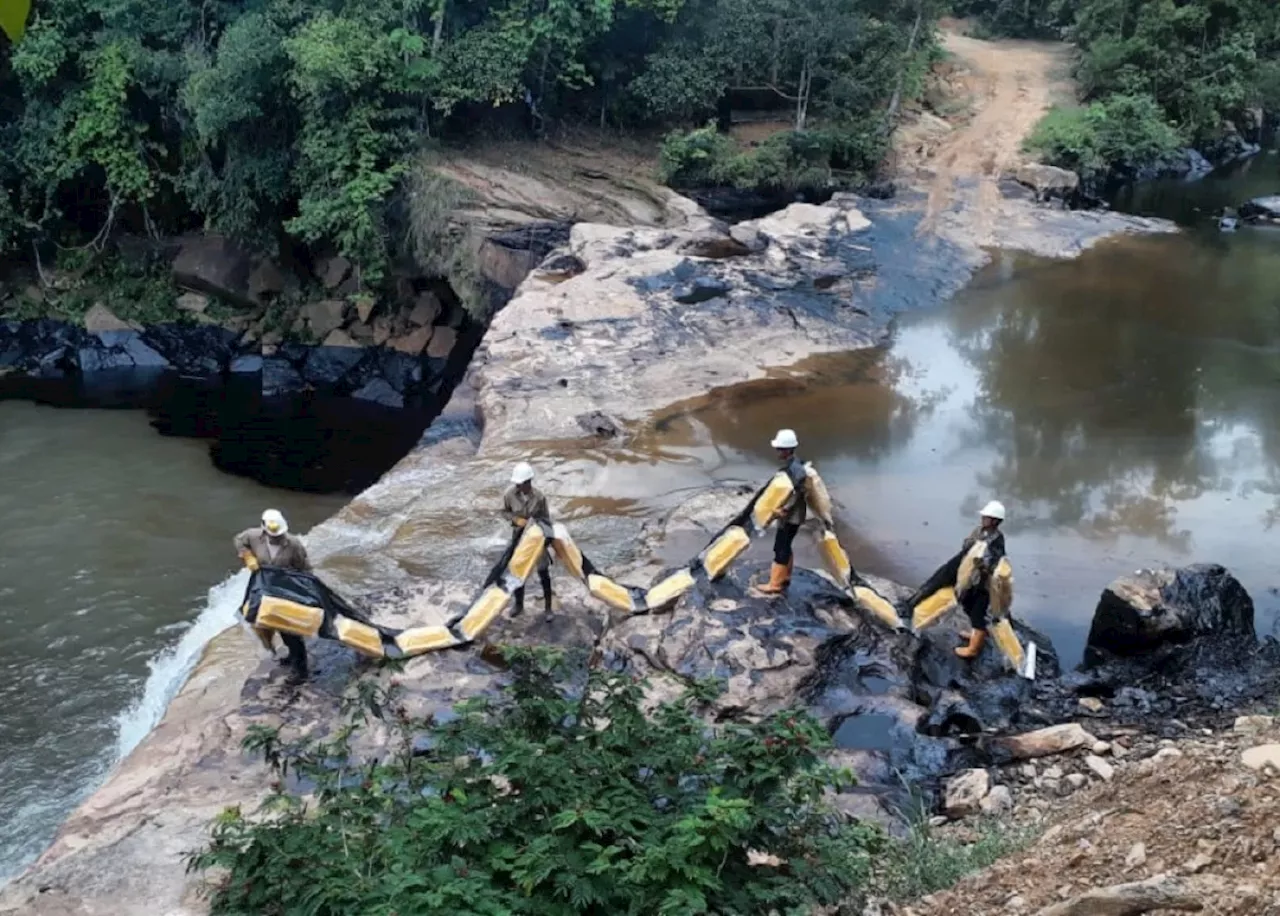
point(519, 522)
point(249, 560)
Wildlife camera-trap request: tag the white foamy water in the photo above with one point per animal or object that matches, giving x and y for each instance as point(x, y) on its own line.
point(170, 669)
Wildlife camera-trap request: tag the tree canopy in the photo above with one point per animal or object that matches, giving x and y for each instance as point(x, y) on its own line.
point(295, 121)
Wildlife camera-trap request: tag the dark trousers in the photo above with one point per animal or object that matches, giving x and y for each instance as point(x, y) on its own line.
point(544, 576)
point(976, 602)
point(297, 659)
point(782, 543)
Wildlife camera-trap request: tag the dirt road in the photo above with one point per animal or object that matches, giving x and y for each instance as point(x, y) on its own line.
point(1012, 84)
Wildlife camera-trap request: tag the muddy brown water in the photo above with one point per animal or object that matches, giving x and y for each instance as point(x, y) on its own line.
point(1125, 406)
point(111, 538)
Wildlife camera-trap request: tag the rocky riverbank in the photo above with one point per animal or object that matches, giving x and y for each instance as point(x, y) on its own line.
point(598, 341)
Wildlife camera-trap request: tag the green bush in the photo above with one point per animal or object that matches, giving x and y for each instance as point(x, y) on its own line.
point(552, 803)
point(789, 160)
point(1121, 133)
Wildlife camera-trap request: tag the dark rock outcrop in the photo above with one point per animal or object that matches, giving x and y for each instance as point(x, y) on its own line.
point(215, 265)
point(1141, 613)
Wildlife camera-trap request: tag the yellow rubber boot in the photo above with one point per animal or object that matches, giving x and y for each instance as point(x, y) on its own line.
point(975, 645)
point(779, 578)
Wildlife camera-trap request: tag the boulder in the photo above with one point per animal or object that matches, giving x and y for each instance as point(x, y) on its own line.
point(266, 281)
point(1262, 757)
point(1045, 742)
point(333, 271)
point(1247, 725)
point(340, 338)
point(215, 265)
point(1049, 182)
point(442, 342)
point(426, 309)
point(748, 237)
point(1150, 609)
point(100, 318)
point(998, 801)
point(965, 792)
point(323, 317)
point(412, 343)
point(1261, 208)
point(1100, 767)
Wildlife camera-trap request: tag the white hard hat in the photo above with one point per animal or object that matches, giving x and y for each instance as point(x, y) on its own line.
point(786, 438)
point(993, 509)
point(274, 522)
point(522, 473)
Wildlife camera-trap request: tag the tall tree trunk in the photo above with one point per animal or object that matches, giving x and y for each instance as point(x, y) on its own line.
point(896, 99)
point(777, 52)
point(802, 94)
point(438, 35)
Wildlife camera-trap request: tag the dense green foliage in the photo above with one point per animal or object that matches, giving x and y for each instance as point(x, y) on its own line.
point(794, 159)
point(1202, 67)
point(299, 121)
point(1120, 133)
point(547, 802)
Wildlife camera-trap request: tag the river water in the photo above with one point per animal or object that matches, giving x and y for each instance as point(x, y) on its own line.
point(112, 536)
point(1125, 406)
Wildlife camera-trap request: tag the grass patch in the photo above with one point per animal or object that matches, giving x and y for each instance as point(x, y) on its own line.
point(927, 861)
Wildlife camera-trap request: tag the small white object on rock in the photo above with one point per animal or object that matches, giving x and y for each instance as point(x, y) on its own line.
point(1077, 780)
point(1262, 757)
point(1253, 724)
point(1100, 767)
point(1091, 704)
point(965, 792)
point(1102, 747)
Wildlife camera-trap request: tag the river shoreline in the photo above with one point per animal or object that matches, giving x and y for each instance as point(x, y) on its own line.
point(577, 363)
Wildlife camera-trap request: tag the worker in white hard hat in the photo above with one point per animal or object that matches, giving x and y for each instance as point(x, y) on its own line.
point(790, 516)
point(520, 504)
point(271, 544)
point(976, 597)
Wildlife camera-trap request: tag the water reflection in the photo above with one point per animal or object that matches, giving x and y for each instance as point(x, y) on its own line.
point(1124, 405)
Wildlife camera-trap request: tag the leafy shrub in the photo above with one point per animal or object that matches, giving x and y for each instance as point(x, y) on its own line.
point(788, 160)
point(1121, 133)
point(545, 802)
